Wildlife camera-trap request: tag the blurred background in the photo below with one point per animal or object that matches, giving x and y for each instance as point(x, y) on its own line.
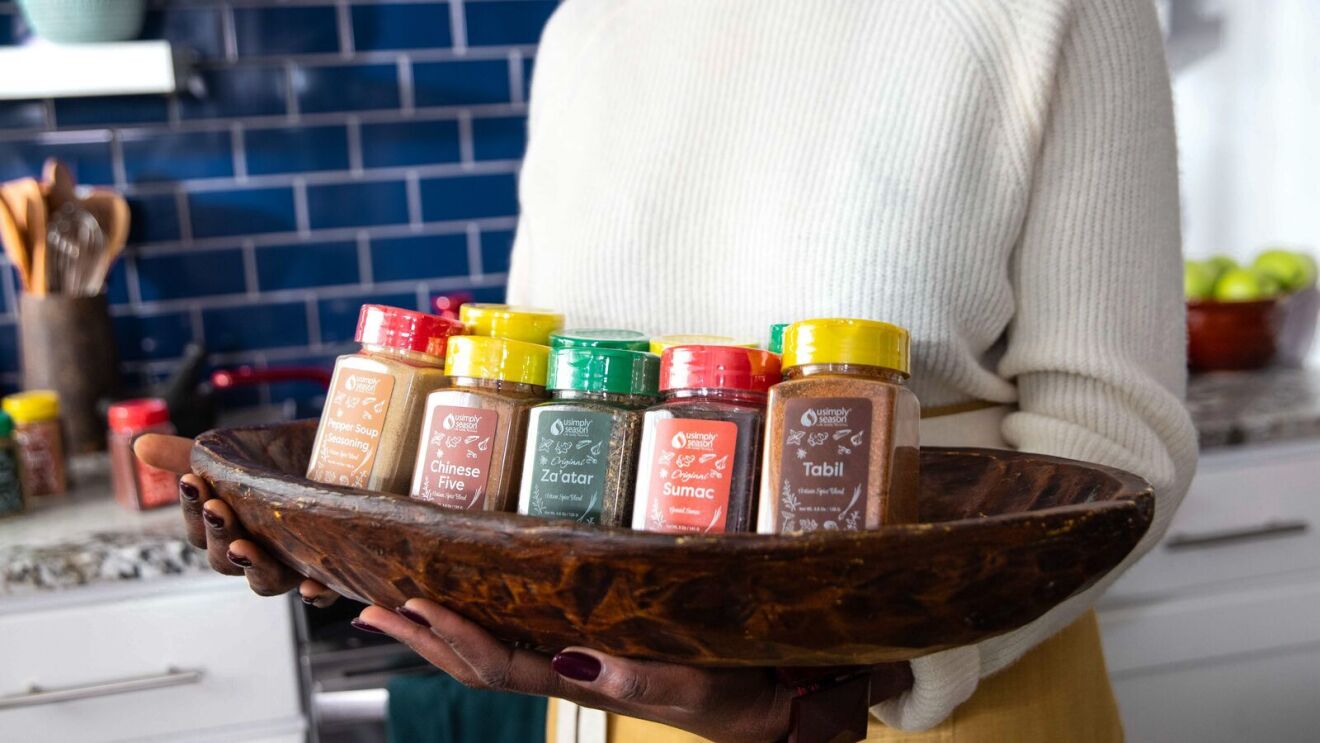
point(285, 162)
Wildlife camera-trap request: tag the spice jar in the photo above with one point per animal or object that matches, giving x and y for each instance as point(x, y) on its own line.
point(470, 450)
point(776, 344)
point(138, 485)
point(701, 448)
point(581, 453)
point(40, 441)
point(624, 340)
point(841, 433)
point(661, 342)
point(373, 412)
point(527, 324)
point(11, 492)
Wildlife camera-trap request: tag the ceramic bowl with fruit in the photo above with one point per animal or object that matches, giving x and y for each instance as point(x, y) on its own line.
point(1245, 317)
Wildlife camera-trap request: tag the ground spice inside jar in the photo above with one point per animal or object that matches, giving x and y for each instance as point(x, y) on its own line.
point(841, 433)
point(138, 485)
point(701, 448)
point(581, 454)
point(527, 324)
point(373, 412)
point(470, 450)
point(40, 442)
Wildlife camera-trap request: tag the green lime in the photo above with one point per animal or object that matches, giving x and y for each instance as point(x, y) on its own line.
point(1287, 268)
point(1239, 285)
point(1220, 264)
point(1198, 280)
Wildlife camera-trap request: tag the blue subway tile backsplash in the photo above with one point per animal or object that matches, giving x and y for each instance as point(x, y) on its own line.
point(318, 155)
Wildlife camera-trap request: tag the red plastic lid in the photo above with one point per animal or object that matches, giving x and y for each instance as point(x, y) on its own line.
point(131, 415)
point(719, 367)
point(405, 330)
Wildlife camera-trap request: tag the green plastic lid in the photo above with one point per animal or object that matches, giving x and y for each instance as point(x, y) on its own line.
point(6, 425)
point(624, 340)
point(604, 370)
point(776, 344)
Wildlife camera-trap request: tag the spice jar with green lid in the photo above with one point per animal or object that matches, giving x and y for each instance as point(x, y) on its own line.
point(11, 492)
point(470, 450)
point(373, 412)
point(527, 324)
point(581, 453)
point(841, 431)
point(624, 340)
point(776, 344)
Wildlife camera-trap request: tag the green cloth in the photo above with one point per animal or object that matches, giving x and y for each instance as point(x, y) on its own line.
point(438, 709)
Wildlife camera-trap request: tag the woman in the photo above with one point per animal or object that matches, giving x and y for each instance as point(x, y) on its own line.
point(999, 177)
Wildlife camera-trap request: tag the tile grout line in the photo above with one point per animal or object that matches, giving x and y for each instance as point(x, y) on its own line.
point(239, 145)
point(354, 135)
point(301, 217)
point(458, 26)
point(117, 165)
point(414, 187)
point(466, 144)
point(516, 76)
point(475, 266)
point(229, 32)
point(365, 274)
point(407, 95)
point(344, 20)
point(290, 93)
point(133, 279)
point(251, 277)
point(313, 321)
point(198, 327)
point(423, 298)
point(185, 216)
point(328, 177)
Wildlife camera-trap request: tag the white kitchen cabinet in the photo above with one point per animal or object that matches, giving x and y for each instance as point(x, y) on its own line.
point(1215, 635)
point(190, 659)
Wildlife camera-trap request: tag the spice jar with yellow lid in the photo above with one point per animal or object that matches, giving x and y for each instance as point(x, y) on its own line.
point(369, 428)
point(40, 440)
point(662, 342)
point(527, 324)
point(841, 432)
point(470, 451)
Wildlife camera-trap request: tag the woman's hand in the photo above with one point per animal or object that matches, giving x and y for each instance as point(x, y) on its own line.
point(213, 526)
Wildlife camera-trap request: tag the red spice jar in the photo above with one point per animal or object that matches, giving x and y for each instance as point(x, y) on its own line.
point(138, 485)
point(699, 464)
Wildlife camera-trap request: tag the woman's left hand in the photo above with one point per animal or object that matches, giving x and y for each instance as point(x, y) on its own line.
point(719, 704)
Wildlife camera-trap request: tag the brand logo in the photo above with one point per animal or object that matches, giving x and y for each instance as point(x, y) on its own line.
point(693, 441)
point(679, 441)
point(459, 422)
point(825, 417)
point(557, 428)
point(571, 427)
point(365, 385)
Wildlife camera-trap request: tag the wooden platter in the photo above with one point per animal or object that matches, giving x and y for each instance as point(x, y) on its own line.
point(1008, 537)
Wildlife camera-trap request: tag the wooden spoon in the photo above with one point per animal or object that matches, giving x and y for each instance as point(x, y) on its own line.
point(15, 198)
point(36, 234)
point(112, 213)
point(15, 245)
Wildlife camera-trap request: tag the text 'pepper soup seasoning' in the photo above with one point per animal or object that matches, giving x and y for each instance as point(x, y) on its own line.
point(469, 453)
point(581, 453)
point(841, 432)
point(373, 412)
point(701, 448)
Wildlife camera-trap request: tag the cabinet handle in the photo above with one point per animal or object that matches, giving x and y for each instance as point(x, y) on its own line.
point(1213, 538)
point(36, 696)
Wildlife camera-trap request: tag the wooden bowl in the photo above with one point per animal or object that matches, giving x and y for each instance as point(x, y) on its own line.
point(1232, 336)
point(1012, 536)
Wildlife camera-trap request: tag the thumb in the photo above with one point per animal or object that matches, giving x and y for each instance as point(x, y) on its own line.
point(634, 682)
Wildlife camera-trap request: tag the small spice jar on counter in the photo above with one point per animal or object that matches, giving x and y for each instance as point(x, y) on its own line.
point(40, 441)
point(373, 412)
point(527, 324)
point(581, 453)
point(701, 448)
point(138, 485)
point(661, 342)
point(624, 340)
point(470, 450)
point(11, 491)
point(841, 434)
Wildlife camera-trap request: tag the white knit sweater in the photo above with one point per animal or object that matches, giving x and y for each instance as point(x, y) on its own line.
point(999, 176)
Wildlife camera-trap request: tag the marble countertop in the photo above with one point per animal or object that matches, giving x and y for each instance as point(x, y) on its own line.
point(1259, 407)
point(85, 538)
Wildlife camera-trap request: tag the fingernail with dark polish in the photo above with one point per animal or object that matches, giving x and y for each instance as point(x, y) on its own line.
point(576, 666)
point(188, 491)
point(359, 624)
point(413, 616)
point(212, 520)
point(309, 600)
point(238, 559)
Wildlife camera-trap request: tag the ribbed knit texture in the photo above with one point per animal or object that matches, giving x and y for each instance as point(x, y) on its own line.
point(997, 176)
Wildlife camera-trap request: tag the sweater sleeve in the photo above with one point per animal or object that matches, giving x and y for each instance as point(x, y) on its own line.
point(1097, 343)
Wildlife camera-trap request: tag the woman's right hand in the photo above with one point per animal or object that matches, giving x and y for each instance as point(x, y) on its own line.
point(213, 526)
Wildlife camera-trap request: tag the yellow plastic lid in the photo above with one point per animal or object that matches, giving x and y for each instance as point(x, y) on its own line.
point(503, 359)
point(32, 406)
point(661, 342)
point(839, 340)
point(528, 324)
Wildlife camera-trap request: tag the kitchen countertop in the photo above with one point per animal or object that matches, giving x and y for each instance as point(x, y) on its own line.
point(1259, 407)
point(85, 538)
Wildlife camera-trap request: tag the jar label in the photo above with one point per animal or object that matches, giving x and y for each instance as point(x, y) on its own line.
point(156, 487)
point(571, 467)
point(690, 464)
point(824, 464)
point(41, 458)
point(456, 457)
point(350, 428)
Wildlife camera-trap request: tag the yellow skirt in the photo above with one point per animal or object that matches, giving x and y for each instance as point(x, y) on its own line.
point(1059, 691)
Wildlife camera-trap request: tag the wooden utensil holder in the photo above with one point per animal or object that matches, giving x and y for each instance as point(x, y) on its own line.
point(67, 345)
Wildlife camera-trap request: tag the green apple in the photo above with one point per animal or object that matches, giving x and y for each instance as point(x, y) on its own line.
point(1308, 268)
point(1269, 286)
point(1239, 285)
point(1220, 264)
point(1289, 269)
point(1198, 280)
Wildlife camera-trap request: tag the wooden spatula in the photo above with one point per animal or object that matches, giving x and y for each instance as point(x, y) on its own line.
point(36, 234)
point(16, 247)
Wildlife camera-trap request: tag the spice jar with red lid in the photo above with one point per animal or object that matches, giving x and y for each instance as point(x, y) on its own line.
point(138, 485)
point(373, 412)
point(699, 464)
